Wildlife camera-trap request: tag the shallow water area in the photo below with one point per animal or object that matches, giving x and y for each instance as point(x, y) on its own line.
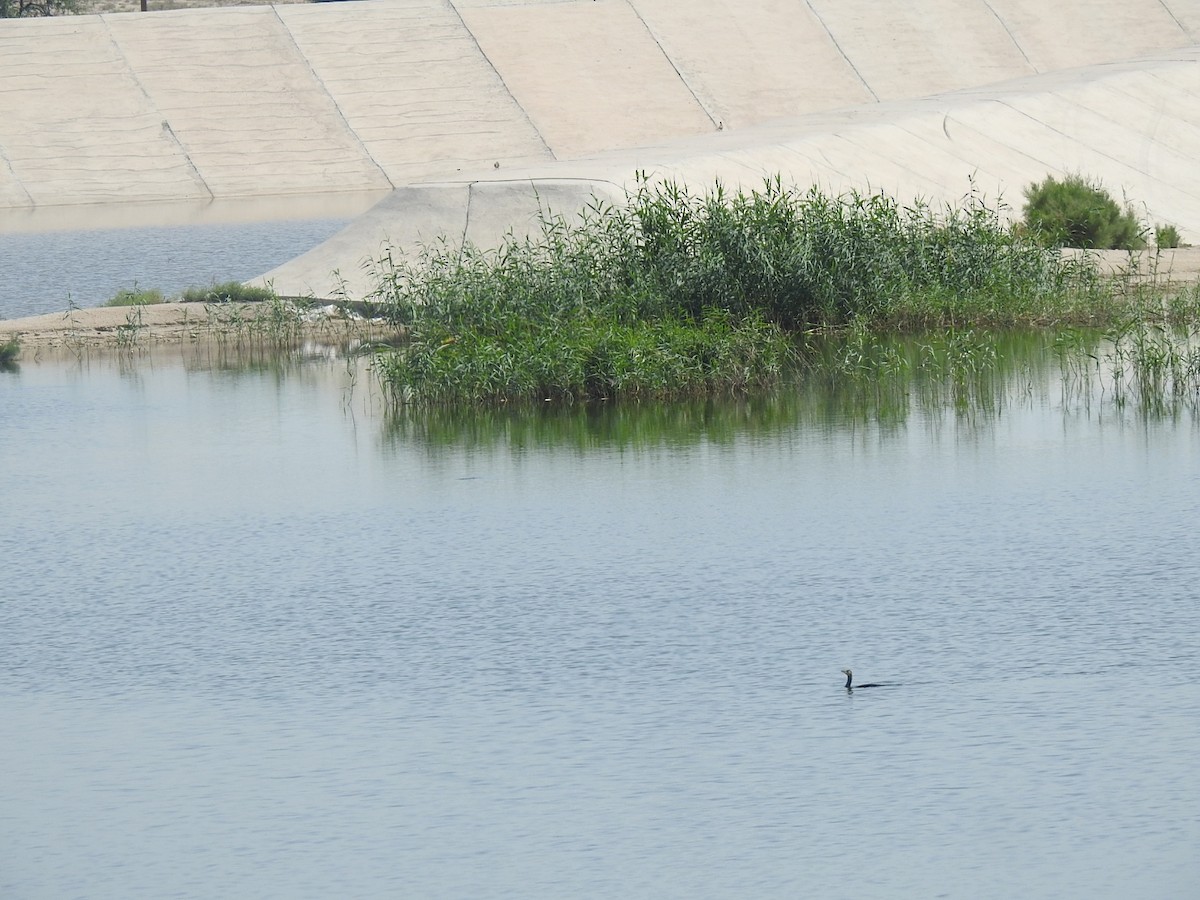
point(56, 257)
point(261, 637)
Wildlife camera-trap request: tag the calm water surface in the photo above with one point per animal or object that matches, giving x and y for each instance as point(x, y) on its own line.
point(257, 639)
point(47, 271)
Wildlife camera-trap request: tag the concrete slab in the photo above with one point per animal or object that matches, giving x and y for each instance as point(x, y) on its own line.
point(748, 62)
point(588, 74)
point(1068, 34)
point(75, 124)
point(243, 102)
point(959, 44)
point(415, 90)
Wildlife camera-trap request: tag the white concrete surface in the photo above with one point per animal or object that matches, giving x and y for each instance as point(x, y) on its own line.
point(1135, 127)
point(477, 110)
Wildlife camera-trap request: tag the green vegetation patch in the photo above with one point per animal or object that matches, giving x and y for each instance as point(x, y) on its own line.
point(677, 293)
point(227, 292)
point(136, 297)
point(9, 350)
point(1166, 237)
point(589, 358)
point(1077, 212)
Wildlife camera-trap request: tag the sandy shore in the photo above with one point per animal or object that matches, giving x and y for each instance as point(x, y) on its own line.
point(1166, 267)
point(184, 323)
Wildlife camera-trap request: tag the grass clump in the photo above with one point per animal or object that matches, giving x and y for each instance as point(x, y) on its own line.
point(9, 351)
point(228, 292)
point(136, 296)
point(1077, 212)
point(678, 293)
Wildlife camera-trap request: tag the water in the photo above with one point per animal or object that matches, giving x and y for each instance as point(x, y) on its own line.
point(48, 267)
point(258, 638)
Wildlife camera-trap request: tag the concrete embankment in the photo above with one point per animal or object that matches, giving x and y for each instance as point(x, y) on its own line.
point(478, 112)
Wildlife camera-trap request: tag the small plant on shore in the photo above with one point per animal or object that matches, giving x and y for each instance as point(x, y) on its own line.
point(1077, 212)
point(136, 296)
point(131, 330)
point(227, 292)
point(276, 323)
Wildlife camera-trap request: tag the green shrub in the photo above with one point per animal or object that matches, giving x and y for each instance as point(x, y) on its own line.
point(8, 352)
point(1166, 237)
point(228, 292)
point(136, 297)
point(1077, 212)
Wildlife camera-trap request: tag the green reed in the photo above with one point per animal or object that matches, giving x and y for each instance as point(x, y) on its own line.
point(677, 293)
point(1154, 367)
point(589, 359)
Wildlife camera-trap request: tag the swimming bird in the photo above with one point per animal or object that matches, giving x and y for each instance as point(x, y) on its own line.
point(850, 677)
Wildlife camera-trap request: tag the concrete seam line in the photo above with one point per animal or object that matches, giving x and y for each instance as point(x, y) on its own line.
point(491, 65)
point(1070, 137)
point(166, 125)
point(1012, 37)
point(838, 48)
point(1146, 143)
point(1175, 18)
point(717, 123)
point(16, 178)
point(317, 78)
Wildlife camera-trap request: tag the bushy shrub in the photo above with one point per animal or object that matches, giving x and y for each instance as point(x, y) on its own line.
point(1166, 237)
point(1077, 212)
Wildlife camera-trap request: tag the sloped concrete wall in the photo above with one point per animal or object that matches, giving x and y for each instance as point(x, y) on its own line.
point(381, 93)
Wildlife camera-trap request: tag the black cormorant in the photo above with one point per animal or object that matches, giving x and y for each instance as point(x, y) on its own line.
point(850, 677)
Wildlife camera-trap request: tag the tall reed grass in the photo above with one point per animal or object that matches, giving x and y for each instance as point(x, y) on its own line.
point(678, 292)
point(1153, 367)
